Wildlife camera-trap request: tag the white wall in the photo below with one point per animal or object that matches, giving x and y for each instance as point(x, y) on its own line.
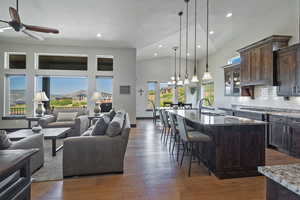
point(157, 69)
point(285, 22)
point(124, 74)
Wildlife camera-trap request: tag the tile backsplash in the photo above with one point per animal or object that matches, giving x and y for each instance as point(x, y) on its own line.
point(265, 96)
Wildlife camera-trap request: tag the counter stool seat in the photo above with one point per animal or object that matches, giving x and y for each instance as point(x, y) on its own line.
point(196, 136)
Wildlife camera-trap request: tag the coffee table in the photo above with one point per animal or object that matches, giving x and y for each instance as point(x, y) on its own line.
point(49, 133)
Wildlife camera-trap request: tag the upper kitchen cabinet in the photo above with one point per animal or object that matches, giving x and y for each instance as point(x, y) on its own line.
point(288, 71)
point(232, 80)
point(258, 65)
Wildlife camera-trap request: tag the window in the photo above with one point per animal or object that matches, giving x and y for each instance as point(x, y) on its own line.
point(16, 61)
point(105, 87)
point(105, 64)
point(64, 92)
point(234, 60)
point(51, 62)
point(181, 94)
point(208, 92)
point(166, 95)
point(16, 87)
point(151, 94)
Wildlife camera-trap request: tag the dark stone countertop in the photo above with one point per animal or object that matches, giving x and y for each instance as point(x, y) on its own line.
point(213, 118)
point(267, 111)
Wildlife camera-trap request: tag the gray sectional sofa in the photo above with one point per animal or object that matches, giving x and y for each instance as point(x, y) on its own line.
point(87, 155)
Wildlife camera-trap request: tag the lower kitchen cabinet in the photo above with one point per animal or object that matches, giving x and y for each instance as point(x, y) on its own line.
point(284, 134)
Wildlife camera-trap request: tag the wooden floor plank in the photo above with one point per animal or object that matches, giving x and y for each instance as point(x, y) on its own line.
point(151, 173)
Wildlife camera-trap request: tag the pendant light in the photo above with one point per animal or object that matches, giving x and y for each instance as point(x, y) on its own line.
point(186, 80)
point(180, 82)
point(207, 76)
point(195, 77)
point(175, 65)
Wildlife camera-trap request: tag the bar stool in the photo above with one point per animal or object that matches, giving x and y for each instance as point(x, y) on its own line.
point(190, 139)
point(167, 124)
point(176, 141)
point(163, 123)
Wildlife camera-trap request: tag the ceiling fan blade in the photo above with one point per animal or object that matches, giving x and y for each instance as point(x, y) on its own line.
point(4, 28)
point(41, 29)
point(32, 35)
point(14, 15)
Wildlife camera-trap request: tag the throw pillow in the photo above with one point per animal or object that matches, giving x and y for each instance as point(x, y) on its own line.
point(116, 125)
point(112, 114)
point(66, 116)
point(5, 142)
point(100, 126)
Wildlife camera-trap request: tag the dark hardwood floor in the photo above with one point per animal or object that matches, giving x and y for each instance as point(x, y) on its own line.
point(151, 173)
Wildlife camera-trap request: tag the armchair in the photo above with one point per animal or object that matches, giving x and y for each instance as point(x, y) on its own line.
point(78, 126)
point(32, 142)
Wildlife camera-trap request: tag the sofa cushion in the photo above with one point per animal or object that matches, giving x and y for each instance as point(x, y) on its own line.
point(100, 126)
point(66, 116)
point(112, 114)
point(63, 124)
point(5, 142)
point(116, 125)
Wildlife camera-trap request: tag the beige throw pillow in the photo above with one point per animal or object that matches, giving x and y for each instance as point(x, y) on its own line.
point(66, 116)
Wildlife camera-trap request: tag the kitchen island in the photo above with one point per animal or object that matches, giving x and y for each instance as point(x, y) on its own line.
point(238, 144)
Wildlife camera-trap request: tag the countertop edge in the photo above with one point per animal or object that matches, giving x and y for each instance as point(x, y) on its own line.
point(279, 180)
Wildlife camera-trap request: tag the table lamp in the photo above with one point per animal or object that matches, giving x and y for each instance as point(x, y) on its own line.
point(40, 97)
point(96, 97)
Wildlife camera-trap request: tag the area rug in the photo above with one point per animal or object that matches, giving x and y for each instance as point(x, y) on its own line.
point(52, 169)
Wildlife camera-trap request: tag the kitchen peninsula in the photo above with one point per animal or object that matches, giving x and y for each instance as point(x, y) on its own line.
point(238, 144)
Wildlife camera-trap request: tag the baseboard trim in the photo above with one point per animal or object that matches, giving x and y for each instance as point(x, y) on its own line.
point(144, 118)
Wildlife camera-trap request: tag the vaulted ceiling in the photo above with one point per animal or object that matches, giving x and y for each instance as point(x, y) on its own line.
point(141, 24)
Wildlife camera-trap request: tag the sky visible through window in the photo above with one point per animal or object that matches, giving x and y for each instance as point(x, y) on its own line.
point(65, 85)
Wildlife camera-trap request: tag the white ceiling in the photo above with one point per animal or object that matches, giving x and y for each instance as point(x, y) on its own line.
point(141, 24)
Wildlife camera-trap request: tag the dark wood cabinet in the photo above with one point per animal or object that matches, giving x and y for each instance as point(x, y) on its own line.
point(288, 71)
point(232, 80)
point(257, 61)
point(284, 134)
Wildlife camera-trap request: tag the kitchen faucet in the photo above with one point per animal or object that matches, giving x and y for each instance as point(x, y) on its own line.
point(202, 101)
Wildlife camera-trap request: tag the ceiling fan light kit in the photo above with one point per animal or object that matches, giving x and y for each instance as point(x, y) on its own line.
point(28, 30)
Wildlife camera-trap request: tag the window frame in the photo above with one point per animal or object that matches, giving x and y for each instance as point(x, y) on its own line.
point(104, 56)
point(6, 60)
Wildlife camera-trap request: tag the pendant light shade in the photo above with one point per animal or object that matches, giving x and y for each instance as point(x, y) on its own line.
point(195, 77)
point(207, 77)
point(186, 80)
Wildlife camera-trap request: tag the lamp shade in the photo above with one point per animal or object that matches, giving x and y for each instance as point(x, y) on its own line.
point(41, 96)
point(96, 96)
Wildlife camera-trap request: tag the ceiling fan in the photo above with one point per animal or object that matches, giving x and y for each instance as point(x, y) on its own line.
point(18, 26)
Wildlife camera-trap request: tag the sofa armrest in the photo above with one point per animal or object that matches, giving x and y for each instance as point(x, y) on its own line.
point(44, 121)
point(93, 154)
point(32, 142)
point(81, 124)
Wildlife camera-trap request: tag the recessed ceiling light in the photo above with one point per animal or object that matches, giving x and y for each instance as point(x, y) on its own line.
point(155, 54)
point(198, 46)
point(211, 32)
point(160, 46)
point(229, 15)
point(1, 31)
point(188, 54)
point(99, 35)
